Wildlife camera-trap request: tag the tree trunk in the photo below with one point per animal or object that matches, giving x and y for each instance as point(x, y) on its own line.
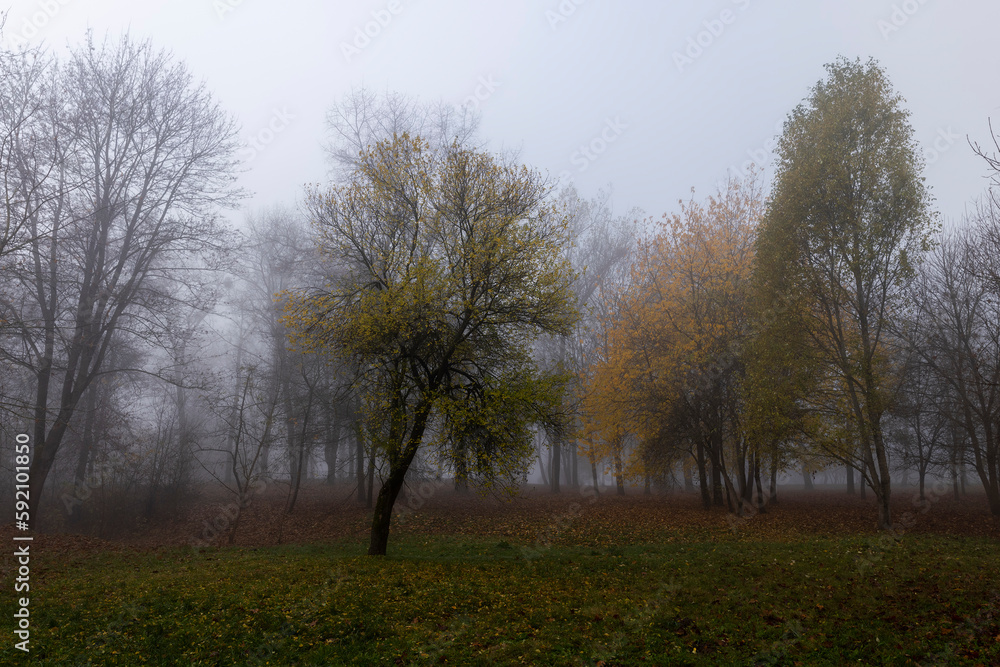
point(86, 445)
point(331, 449)
point(717, 498)
point(574, 474)
point(593, 474)
point(774, 480)
point(539, 446)
point(619, 470)
point(371, 481)
point(554, 466)
point(761, 500)
point(807, 481)
point(850, 479)
point(733, 501)
point(359, 471)
point(706, 499)
point(461, 470)
point(398, 466)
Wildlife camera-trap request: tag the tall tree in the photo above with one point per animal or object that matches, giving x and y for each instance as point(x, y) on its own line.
point(449, 269)
point(848, 217)
point(144, 156)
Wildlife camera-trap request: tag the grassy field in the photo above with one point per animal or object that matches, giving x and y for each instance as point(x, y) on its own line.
point(605, 585)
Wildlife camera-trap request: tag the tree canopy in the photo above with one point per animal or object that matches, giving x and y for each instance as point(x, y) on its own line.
point(445, 267)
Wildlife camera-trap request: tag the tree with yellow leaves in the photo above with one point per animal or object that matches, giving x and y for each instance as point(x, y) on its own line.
point(675, 365)
point(447, 266)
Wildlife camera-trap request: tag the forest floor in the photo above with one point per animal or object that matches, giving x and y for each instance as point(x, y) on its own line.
point(323, 513)
point(539, 579)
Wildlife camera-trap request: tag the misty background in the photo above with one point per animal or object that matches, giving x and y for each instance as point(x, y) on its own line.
point(548, 77)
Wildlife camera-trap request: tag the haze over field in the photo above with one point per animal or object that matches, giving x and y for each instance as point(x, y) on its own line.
point(703, 302)
point(550, 75)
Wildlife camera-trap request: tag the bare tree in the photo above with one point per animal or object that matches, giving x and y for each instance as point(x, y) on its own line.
point(362, 118)
point(252, 426)
point(29, 159)
point(957, 335)
point(143, 156)
point(600, 251)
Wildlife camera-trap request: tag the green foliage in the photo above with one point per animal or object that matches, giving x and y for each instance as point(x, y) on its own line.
point(848, 218)
point(445, 267)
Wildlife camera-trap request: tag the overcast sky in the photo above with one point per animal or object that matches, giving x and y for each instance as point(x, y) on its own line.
point(653, 98)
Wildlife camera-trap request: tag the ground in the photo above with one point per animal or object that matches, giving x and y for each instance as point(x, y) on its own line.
point(537, 579)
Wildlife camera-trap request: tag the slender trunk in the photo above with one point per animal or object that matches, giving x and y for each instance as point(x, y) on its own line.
point(883, 492)
point(398, 466)
point(761, 500)
point(330, 450)
point(850, 479)
point(807, 481)
point(461, 470)
point(747, 477)
point(298, 472)
point(619, 468)
point(593, 472)
point(539, 446)
point(574, 474)
point(236, 521)
point(554, 466)
point(774, 480)
point(371, 481)
point(359, 471)
point(706, 498)
point(717, 497)
point(86, 445)
point(688, 478)
point(733, 501)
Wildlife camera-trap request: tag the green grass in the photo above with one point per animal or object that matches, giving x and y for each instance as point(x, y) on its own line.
point(443, 600)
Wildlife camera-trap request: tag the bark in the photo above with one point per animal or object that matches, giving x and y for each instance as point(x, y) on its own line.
point(86, 445)
point(619, 470)
point(330, 450)
point(761, 500)
point(717, 497)
point(556, 457)
point(541, 458)
point(774, 480)
point(371, 481)
point(593, 474)
point(461, 470)
point(359, 460)
point(574, 474)
point(706, 498)
point(398, 466)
